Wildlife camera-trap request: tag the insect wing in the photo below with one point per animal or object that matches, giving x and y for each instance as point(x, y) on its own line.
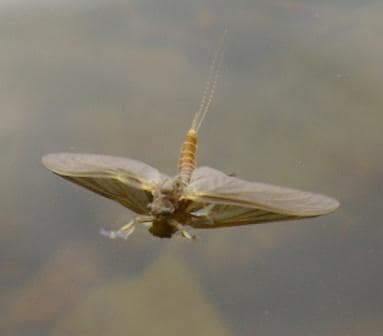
point(229, 201)
point(225, 215)
point(126, 181)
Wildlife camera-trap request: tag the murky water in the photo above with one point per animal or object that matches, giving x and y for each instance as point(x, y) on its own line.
point(299, 104)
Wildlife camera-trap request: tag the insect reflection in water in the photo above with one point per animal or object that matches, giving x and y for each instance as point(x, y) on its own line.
point(199, 197)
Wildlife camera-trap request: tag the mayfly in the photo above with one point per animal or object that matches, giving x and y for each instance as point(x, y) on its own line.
point(199, 197)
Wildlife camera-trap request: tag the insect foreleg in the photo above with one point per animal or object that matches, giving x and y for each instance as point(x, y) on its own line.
point(125, 231)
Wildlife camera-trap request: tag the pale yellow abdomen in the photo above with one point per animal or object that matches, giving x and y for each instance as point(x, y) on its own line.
point(188, 157)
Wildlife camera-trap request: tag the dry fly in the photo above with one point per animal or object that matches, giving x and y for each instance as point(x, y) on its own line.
point(199, 197)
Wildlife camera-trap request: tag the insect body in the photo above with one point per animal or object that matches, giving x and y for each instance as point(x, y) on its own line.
point(200, 197)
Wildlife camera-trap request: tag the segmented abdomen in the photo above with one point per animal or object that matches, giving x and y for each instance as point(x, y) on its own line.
point(187, 161)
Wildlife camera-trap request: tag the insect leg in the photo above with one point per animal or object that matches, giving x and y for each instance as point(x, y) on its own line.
point(123, 232)
point(204, 214)
point(181, 229)
point(127, 229)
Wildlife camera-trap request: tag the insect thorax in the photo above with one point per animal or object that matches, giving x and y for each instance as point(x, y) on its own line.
point(166, 198)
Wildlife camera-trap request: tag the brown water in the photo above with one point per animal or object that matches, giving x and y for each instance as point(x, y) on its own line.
point(299, 104)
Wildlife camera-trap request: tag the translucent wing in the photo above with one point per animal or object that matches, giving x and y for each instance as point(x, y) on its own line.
point(126, 181)
point(228, 201)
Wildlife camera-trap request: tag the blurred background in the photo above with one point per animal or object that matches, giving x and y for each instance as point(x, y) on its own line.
point(299, 104)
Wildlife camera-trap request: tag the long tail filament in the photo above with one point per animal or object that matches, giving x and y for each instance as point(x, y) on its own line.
point(188, 156)
point(211, 83)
